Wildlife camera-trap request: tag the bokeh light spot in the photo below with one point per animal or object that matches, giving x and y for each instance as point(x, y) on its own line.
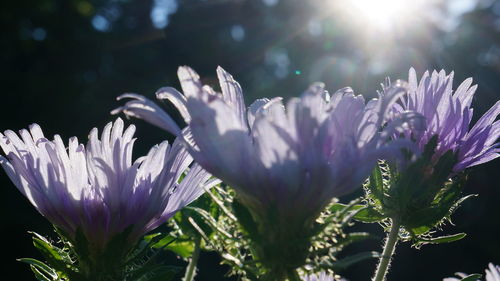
point(237, 32)
point(161, 11)
point(39, 34)
point(84, 8)
point(270, 2)
point(101, 23)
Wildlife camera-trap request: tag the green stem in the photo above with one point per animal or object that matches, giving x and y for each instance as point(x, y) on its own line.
point(191, 268)
point(390, 245)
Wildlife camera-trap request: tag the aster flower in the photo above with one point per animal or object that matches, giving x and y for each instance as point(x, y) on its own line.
point(286, 163)
point(492, 274)
point(322, 276)
point(97, 190)
point(270, 151)
point(421, 194)
point(448, 115)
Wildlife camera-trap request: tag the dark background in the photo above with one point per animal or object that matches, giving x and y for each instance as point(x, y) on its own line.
point(64, 62)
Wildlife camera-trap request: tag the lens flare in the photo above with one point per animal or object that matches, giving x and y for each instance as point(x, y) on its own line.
point(382, 14)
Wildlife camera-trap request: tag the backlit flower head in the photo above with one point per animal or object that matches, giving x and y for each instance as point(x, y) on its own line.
point(294, 157)
point(285, 162)
point(448, 115)
point(322, 276)
point(97, 189)
point(492, 274)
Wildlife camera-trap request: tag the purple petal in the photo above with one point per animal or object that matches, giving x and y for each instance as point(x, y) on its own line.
point(176, 98)
point(143, 108)
point(232, 93)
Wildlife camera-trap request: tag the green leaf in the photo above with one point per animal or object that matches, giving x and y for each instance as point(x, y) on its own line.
point(42, 267)
point(143, 249)
point(339, 207)
point(472, 277)
point(350, 260)
point(442, 239)
point(369, 215)
point(49, 252)
point(40, 275)
point(183, 218)
point(219, 202)
point(209, 220)
point(376, 184)
point(363, 213)
point(423, 219)
point(159, 240)
point(184, 249)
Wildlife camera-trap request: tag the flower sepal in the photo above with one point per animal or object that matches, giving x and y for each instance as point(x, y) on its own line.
point(271, 241)
point(421, 196)
point(463, 277)
point(77, 260)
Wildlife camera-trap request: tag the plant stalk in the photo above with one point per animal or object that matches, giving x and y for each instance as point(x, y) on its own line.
point(191, 268)
point(390, 245)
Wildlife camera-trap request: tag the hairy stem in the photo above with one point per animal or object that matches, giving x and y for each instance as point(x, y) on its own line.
point(390, 245)
point(191, 268)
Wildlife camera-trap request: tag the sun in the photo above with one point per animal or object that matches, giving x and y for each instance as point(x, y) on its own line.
point(381, 14)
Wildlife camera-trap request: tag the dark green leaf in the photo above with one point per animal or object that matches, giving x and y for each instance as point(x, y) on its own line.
point(369, 215)
point(49, 252)
point(363, 213)
point(209, 220)
point(339, 207)
point(442, 239)
point(40, 266)
point(423, 219)
point(183, 218)
point(40, 275)
point(184, 249)
point(376, 184)
point(471, 277)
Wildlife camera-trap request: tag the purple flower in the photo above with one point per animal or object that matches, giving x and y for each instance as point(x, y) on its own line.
point(97, 189)
point(322, 276)
point(285, 163)
point(492, 274)
point(293, 158)
point(448, 115)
